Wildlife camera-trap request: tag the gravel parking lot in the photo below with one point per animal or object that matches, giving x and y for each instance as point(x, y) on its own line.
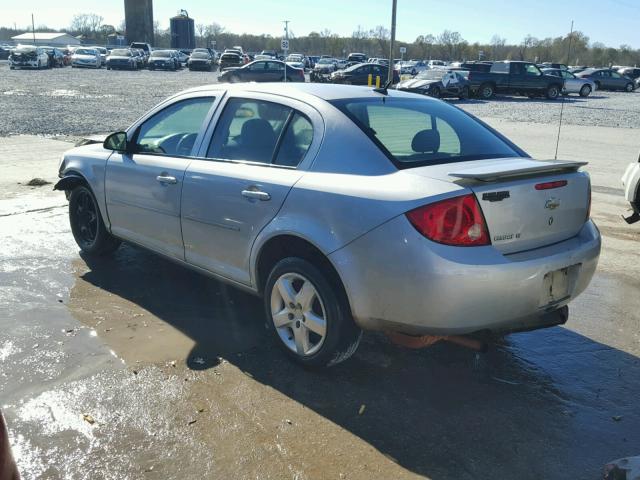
point(137, 368)
point(78, 102)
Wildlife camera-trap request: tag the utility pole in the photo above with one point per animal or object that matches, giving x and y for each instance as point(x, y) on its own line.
point(393, 40)
point(286, 43)
point(33, 29)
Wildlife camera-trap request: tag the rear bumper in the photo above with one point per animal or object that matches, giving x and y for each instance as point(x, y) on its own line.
point(398, 280)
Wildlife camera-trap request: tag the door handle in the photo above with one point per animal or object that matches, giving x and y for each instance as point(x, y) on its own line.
point(256, 194)
point(166, 178)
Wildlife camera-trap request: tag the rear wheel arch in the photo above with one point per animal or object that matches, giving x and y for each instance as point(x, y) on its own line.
point(283, 246)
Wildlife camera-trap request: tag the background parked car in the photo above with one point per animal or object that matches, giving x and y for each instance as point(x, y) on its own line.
point(164, 60)
point(438, 83)
point(631, 72)
point(608, 79)
point(103, 53)
point(357, 57)
point(323, 68)
point(515, 78)
point(200, 60)
point(572, 84)
point(145, 47)
point(56, 57)
point(27, 56)
point(631, 185)
point(5, 50)
point(122, 58)
point(183, 57)
point(262, 71)
point(86, 58)
point(230, 59)
point(364, 74)
point(411, 67)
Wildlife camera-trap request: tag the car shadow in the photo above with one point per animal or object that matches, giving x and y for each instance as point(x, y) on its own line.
point(537, 405)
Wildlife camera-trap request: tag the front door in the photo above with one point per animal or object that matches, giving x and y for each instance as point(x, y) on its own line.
point(241, 181)
point(143, 188)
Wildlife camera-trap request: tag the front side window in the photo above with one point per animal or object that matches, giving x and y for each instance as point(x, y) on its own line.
point(532, 70)
point(615, 75)
point(421, 132)
point(173, 131)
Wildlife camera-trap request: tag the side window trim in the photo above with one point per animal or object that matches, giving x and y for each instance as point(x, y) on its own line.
point(283, 132)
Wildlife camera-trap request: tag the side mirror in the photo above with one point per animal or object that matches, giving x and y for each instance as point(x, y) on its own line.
point(116, 141)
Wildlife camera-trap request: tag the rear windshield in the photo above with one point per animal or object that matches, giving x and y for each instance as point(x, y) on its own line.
point(415, 132)
point(119, 52)
point(161, 54)
point(84, 51)
point(199, 55)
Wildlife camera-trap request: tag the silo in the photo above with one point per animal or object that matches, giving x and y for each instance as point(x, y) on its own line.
point(183, 33)
point(138, 16)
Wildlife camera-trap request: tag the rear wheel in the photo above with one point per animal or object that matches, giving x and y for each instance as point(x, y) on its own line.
point(434, 92)
point(553, 92)
point(486, 91)
point(628, 87)
point(309, 314)
point(585, 91)
point(87, 226)
point(465, 93)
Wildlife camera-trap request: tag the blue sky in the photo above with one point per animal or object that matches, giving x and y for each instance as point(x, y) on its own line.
point(612, 22)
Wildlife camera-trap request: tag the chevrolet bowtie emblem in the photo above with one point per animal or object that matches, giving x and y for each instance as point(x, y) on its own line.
point(552, 204)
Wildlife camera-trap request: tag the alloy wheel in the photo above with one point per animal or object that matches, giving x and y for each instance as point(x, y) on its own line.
point(298, 314)
point(86, 218)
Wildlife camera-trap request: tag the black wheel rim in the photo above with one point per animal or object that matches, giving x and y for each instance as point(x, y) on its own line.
point(86, 219)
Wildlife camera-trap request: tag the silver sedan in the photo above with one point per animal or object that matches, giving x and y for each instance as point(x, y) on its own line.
point(345, 208)
point(572, 84)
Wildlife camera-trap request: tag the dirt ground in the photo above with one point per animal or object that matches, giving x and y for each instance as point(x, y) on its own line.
point(136, 368)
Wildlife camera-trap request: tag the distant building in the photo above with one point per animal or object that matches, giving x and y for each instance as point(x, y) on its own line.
point(54, 39)
point(138, 18)
point(183, 33)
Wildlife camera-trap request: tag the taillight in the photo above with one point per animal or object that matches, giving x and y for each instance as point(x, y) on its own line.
point(454, 221)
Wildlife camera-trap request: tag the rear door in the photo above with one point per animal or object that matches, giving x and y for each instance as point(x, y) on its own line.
point(143, 188)
point(259, 146)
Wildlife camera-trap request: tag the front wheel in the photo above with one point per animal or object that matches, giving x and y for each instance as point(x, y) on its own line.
point(434, 92)
point(553, 92)
point(628, 87)
point(465, 93)
point(309, 314)
point(87, 226)
point(585, 91)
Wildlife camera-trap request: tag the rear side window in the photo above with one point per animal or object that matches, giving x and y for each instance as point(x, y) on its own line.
point(414, 132)
point(262, 132)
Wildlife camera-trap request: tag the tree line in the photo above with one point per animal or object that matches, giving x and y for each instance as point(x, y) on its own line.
point(572, 49)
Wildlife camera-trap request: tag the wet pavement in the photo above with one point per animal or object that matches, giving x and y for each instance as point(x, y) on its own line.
point(137, 368)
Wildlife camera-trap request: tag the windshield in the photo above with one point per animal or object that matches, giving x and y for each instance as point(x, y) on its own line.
point(199, 55)
point(84, 51)
point(120, 52)
point(420, 132)
point(25, 49)
point(161, 54)
point(325, 61)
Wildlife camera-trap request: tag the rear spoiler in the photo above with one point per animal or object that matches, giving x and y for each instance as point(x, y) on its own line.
point(497, 171)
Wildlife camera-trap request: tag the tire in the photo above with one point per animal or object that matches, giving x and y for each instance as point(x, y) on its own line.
point(434, 92)
point(87, 226)
point(628, 87)
point(328, 340)
point(486, 91)
point(464, 95)
point(552, 92)
point(585, 91)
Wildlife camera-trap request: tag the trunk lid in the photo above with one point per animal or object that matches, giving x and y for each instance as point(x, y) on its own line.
point(526, 203)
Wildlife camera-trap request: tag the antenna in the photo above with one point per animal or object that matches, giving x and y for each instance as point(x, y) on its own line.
point(563, 97)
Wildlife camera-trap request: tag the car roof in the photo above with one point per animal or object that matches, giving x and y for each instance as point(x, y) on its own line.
point(324, 91)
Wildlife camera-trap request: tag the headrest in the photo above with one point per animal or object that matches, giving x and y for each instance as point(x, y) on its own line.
point(426, 141)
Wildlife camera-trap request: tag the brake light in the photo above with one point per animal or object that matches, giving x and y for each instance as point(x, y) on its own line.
point(455, 221)
point(550, 185)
